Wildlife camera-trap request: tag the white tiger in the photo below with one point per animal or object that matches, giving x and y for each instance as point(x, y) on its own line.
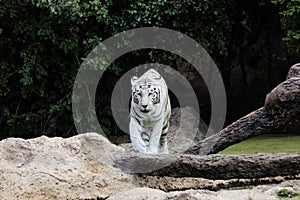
point(149, 114)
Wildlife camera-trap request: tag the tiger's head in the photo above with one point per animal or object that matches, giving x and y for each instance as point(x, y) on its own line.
point(145, 94)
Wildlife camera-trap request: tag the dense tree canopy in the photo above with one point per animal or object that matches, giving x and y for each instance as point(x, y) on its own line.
point(43, 43)
point(290, 13)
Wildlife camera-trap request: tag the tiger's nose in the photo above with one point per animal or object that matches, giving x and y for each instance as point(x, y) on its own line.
point(144, 106)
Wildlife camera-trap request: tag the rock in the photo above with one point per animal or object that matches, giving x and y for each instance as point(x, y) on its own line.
point(185, 129)
point(275, 190)
point(295, 184)
point(55, 168)
point(193, 195)
point(245, 194)
point(80, 167)
point(139, 194)
point(268, 192)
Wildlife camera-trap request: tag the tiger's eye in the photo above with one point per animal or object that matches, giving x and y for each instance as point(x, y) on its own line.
point(135, 99)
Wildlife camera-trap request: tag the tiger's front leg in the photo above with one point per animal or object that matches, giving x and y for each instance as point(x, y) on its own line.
point(163, 140)
point(137, 142)
point(154, 142)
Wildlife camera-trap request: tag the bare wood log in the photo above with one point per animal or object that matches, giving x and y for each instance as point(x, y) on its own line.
point(294, 71)
point(281, 104)
point(234, 166)
point(213, 166)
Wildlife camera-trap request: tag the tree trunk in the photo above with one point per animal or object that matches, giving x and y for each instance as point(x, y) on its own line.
point(281, 104)
point(213, 166)
point(233, 166)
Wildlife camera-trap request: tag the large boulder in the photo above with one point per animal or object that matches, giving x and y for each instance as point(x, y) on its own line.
point(55, 168)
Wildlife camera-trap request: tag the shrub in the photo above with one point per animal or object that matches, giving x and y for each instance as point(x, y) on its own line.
point(43, 43)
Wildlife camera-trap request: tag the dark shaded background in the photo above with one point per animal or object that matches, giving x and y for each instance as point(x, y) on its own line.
point(42, 45)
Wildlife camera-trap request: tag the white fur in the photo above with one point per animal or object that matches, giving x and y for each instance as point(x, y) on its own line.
point(148, 124)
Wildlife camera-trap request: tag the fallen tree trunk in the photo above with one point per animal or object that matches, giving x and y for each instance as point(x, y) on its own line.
point(233, 166)
point(213, 166)
point(281, 104)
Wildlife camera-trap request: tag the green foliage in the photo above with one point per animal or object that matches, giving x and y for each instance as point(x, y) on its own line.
point(287, 193)
point(208, 22)
point(290, 13)
point(43, 42)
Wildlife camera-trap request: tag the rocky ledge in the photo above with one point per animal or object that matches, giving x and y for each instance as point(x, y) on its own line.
point(81, 167)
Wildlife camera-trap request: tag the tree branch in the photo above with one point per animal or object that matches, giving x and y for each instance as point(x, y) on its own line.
point(281, 104)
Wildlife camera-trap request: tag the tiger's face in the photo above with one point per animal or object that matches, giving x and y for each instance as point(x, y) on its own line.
point(145, 96)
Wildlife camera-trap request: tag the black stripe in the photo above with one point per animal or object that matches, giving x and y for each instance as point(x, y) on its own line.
point(162, 140)
point(164, 134)
point(165, 126)
point(136, 113)
point(136, 119)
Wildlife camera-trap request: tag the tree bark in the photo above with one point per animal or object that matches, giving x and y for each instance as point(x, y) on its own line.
point(281, 104)
point(233, 166)
point(212, 166)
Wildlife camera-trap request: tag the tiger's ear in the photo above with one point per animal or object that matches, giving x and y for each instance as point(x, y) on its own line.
point(154, 74)
point(134, 79)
